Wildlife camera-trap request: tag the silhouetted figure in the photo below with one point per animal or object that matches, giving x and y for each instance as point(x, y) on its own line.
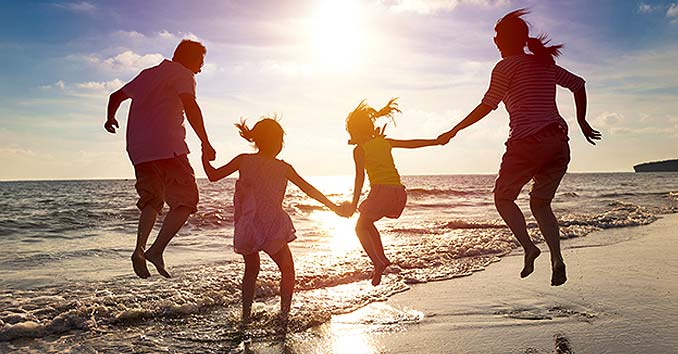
point(387, 195)
point(537, 148)
point(261, 224)
point(157, 147)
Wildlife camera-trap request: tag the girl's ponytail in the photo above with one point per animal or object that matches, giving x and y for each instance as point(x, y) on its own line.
point(545, 54)
point(245, 131)
point(513, 33)
point(360, 122)
point(388, 110)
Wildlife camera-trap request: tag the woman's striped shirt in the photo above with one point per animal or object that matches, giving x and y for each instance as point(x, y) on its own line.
point(528, 89)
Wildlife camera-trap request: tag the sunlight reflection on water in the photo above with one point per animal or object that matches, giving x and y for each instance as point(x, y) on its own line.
point(341, 231)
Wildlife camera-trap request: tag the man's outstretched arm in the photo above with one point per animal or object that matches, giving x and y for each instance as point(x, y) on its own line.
point(114, 101)
point(194, 116)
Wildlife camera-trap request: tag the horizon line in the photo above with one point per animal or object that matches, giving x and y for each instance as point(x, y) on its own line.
point(309, 176)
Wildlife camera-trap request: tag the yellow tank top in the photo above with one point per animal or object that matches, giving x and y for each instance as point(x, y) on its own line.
point(379, 162)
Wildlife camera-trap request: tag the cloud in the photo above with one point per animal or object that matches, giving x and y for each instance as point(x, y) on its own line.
point(131, 38)
point(125, 62)
point(128, 52)
point(85, 89)
point(129, 60)
point(127, 35)
point(650, 131)
point(608, 119)
point(16, 151)
point(58, 85)
point(672, 13)
point(644, 8)
point(81, 7)
point(105, 86)
point(177, 37)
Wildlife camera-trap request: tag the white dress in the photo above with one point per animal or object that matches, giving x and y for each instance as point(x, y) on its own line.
point(260, 221)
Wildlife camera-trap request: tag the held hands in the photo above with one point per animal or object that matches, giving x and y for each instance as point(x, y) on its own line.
point(444, 138)
point(345, 209)
point(589, 133)
point(208, 152)
point(110, 125)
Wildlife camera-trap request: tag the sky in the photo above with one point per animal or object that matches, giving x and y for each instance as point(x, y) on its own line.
point(312, 62)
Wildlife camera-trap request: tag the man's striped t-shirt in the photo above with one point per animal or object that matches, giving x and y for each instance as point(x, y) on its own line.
point(528, 89)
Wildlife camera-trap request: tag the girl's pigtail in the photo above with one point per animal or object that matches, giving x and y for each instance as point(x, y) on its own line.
point(546, 54)
point(387, 111)
point(245, 132)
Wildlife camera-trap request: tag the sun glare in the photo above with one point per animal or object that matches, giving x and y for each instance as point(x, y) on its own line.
point(335, 36)
point(341, 230)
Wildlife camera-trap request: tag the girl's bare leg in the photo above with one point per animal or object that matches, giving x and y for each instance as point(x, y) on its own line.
point(362, 229)
point(285, 262)
point(249, 282)
point(371, 242)
point(378, 246)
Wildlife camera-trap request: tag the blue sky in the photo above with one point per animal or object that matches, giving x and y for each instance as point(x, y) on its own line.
point(312, 62)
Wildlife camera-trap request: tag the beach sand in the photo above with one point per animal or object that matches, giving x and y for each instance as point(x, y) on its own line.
point(621, 297)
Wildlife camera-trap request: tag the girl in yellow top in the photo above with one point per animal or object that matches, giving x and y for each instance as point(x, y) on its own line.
point(387, 195)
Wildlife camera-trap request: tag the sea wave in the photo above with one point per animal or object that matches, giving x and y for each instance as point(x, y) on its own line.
point(461, 224)
point(429, 250)
point(443, 192)
point(619, 215)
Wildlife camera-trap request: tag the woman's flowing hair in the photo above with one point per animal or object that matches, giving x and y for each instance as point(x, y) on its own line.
point(361, 120)
point(515, 29)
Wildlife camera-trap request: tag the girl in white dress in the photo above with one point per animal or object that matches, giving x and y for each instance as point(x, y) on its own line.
point(261, 224)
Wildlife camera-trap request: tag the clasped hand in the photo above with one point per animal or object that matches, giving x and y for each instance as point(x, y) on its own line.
point(345, 210)
point(444, 138)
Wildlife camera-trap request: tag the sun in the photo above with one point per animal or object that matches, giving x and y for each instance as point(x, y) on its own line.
point(335, 35)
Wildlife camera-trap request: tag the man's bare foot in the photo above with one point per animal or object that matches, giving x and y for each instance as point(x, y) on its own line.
point(378, 272)
point(139, 265)
point(558, 276)
point(528, 266)
point(158, 262)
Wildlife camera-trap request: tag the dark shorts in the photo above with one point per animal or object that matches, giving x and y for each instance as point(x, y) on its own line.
point(541, 157)
point(168, 180)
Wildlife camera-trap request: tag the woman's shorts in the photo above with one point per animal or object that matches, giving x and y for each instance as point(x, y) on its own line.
point(541, 157)
point(384, 201)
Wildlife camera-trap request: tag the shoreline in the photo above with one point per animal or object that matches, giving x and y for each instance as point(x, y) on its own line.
point(620, 298)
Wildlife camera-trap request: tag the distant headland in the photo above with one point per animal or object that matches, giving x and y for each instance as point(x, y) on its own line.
point(658, 166)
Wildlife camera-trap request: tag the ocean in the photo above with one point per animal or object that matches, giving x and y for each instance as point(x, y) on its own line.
point(67, 285)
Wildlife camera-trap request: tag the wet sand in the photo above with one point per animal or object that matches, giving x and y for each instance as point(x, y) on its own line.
point(621, 297)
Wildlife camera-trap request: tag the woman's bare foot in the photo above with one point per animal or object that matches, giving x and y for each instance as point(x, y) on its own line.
point(139, 264)
point(158, 262)
point(528, 266)
point(283, 322)
point(378, 272)
point(558, 276)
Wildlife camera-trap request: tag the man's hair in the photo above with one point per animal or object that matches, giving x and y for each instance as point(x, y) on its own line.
point(188, 50)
